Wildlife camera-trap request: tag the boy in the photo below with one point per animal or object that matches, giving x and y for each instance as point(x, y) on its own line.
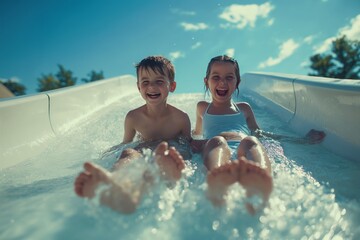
point(155, 121)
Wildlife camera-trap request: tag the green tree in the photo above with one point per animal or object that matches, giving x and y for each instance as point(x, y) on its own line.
point(16, 88)
point(47, 82)
point(93, 76)
point(343, 62)
point(65, 77)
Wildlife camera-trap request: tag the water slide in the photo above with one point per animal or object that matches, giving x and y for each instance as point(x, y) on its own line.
point(45, 139)
point(29, 123)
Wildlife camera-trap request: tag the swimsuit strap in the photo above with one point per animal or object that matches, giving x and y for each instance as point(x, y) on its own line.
point(232, 102)
point(236, 106)
point(207, 109)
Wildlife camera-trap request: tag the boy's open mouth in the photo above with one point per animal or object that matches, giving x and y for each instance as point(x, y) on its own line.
point(221, 93)
point(153, 95)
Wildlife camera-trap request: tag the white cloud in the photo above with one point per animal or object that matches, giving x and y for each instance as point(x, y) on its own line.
point(11, 79)
point(351, 31)
point(182, 12)
point(304, 64)
point(240, 16)
point(175, 55)
point(196, 45)
point(194, 26)
point(286, 50)
point(325, 46)
point(270, 22)
point(309, 39)
point(230, 52)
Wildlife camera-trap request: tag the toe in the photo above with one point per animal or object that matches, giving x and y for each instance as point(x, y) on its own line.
point(161, 148)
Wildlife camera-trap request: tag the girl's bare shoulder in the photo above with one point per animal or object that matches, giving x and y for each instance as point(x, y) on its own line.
point(244, 106)
point(201, 106)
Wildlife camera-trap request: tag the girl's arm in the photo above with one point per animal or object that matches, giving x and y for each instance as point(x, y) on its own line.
point(196, 144)
point(313, 136)
point(200, 109)
point(249, 116)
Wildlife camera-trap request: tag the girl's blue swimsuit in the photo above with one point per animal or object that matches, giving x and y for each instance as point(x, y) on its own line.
point(213, 125)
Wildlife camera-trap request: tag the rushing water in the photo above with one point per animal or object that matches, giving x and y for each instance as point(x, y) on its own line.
point(315, 192)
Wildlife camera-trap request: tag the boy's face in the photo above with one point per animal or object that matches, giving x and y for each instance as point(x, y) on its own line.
point(153, 86)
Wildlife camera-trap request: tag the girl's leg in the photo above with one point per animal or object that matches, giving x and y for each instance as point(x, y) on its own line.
point(216, 153)
point(251, 148)
point(221, 172)
point(255, 176)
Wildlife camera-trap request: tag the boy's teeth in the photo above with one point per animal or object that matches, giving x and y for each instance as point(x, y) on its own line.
point(153, 95)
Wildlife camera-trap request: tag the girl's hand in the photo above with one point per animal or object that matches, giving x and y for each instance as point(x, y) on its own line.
point(315, 136)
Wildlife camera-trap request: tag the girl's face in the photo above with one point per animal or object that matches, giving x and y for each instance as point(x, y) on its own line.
point(221, 81)
point(153, 86)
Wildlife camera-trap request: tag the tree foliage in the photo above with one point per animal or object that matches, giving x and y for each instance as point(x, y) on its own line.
point(63, 78)
point(16, 88)
point(48, 82)
point(343, 62)
point(93, 76)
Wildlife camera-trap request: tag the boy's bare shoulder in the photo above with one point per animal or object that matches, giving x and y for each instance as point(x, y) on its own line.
point(135, 112)
point(177, 112)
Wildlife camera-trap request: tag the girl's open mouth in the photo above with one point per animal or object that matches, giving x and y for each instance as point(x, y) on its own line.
point(221, 93)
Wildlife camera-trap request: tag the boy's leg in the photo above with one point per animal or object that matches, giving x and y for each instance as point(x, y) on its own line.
point(127, 156)
point(170, 161)
point(114, 196)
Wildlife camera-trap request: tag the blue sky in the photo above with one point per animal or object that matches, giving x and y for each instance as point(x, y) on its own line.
point(110, 35)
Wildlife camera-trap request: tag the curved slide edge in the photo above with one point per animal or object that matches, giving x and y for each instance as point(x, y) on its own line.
point(29, 123)
point(306, 102)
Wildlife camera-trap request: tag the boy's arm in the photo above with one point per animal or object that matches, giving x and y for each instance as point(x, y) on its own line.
point(129, 129)
point(186, 127)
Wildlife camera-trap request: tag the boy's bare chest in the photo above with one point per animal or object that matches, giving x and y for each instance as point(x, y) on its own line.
point(159, 129)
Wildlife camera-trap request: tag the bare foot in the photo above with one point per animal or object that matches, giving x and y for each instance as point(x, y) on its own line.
point(170, 161)
point(256, 181)
point(87, 181)
point(219, 179)
point(114, 196)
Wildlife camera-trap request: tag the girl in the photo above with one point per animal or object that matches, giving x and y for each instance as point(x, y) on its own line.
point(224, 125)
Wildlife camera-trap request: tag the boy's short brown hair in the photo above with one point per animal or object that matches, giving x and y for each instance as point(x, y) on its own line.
point(158, 64)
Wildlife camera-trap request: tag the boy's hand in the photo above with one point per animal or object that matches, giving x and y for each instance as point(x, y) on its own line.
point(315, 136)
point(197, 145)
